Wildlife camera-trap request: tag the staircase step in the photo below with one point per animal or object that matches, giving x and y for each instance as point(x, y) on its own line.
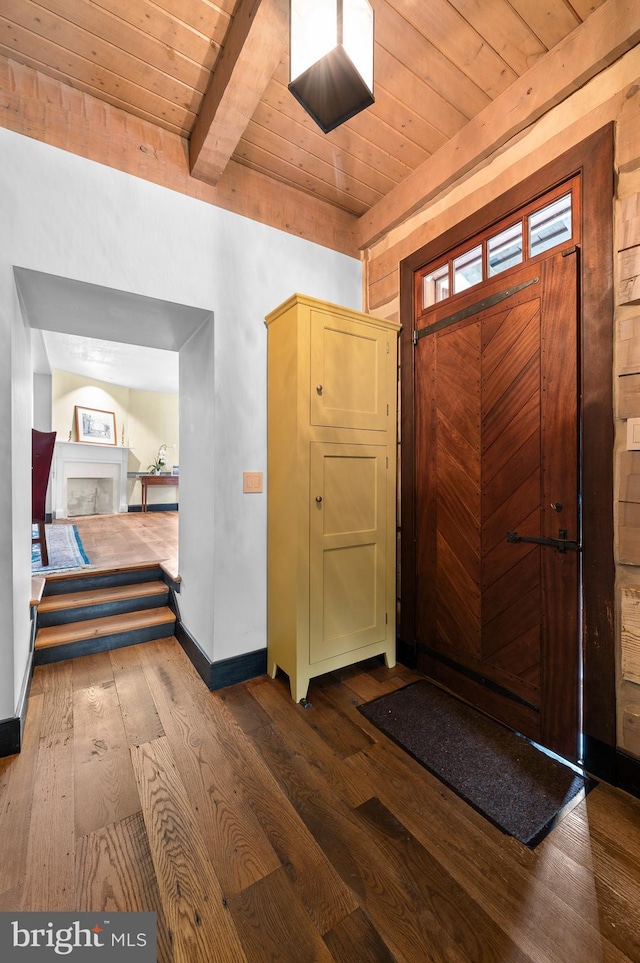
point(97, 603)
point(72, 583)
point(92, 629)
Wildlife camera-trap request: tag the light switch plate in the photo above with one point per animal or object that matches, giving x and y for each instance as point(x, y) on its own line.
point(252, 482)
point(633, 434)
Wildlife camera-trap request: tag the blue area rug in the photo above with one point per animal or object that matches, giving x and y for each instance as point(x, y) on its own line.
point(65, 551)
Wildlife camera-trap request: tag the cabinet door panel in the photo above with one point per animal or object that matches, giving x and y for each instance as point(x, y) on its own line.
point(348, 373)
point(347, 548)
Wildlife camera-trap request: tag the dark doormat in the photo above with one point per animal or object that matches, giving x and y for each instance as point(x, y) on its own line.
point(523, 791)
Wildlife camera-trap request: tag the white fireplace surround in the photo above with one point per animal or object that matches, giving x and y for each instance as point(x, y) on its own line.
point(72, 459)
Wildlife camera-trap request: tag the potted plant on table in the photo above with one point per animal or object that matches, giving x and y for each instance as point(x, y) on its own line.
point(161, 460)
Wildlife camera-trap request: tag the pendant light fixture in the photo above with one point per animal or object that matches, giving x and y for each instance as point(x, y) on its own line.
point(331, 58)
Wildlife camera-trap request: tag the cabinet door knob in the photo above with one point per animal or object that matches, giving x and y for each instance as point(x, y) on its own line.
point(319, 389)
point(318, 498)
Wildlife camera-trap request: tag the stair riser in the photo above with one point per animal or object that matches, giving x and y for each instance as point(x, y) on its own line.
point(108, 580)
point(99, 610)
point(71, 650)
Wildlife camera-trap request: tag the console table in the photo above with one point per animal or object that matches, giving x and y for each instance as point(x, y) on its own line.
point(146, 480)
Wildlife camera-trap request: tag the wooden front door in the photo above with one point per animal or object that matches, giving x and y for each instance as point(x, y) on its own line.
point(497, 460)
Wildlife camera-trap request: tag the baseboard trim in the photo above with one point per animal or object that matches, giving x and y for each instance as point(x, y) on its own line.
point(628, 771)
point(162, 507)
point(406, 654)
point(612, 765)
point(238, 668)
point(201, 662)
point(218, 675)
point(12, 730)
point(10, 736)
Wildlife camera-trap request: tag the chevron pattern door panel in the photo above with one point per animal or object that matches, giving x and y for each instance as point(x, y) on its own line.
point(496, 452)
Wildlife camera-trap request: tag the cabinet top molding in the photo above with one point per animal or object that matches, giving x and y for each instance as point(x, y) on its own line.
point(318, 305)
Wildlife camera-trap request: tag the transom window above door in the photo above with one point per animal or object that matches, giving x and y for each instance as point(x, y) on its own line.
point(544, 224)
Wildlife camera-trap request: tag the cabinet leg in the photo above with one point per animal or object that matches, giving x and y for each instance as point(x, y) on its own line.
point(299, 688)
point(299, 684)
point(390, 658)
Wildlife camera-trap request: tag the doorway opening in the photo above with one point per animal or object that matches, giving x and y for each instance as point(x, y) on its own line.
point(88, 311)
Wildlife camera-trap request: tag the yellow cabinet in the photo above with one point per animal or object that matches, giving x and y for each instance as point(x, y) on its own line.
point(332, 381)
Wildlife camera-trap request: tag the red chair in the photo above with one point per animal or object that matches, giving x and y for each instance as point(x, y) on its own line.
point(42, 443)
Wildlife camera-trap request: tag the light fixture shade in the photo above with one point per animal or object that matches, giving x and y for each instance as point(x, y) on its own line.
point(331, 58)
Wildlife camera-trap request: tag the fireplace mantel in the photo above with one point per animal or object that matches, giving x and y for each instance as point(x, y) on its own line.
point(72, 459)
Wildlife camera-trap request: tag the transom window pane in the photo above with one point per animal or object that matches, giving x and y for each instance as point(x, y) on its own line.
point(467, 269)
point(550, 226)
point(505, 249)
point(499, 249)
point(435, 286)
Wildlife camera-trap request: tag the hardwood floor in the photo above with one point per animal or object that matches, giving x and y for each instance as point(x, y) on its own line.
point(262, 831)
point(128, 538)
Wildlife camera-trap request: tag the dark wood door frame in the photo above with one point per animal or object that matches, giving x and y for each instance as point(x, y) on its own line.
point(593, 159)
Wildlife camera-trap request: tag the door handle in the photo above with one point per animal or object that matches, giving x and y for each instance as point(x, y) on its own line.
point(561, 543)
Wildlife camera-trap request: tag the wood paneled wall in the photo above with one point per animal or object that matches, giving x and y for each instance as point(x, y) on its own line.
point(614, 95)
point(628, 406)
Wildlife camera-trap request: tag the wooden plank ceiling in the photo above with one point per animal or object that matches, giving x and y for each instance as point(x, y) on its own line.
point(216, 74)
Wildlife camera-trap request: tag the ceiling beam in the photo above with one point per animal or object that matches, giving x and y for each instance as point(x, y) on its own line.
point(251, 53)
point(608, 33)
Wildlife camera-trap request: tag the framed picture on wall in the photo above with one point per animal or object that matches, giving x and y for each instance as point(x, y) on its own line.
point(95, 426)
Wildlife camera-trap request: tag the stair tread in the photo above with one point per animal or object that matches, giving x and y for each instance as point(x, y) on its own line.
point(108, 625)
point(116, 593)
point(90, 573)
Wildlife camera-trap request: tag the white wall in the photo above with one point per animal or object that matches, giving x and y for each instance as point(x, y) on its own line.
point(198, 469)
point(42, 402)
point(67, 216)
point(18, 468)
